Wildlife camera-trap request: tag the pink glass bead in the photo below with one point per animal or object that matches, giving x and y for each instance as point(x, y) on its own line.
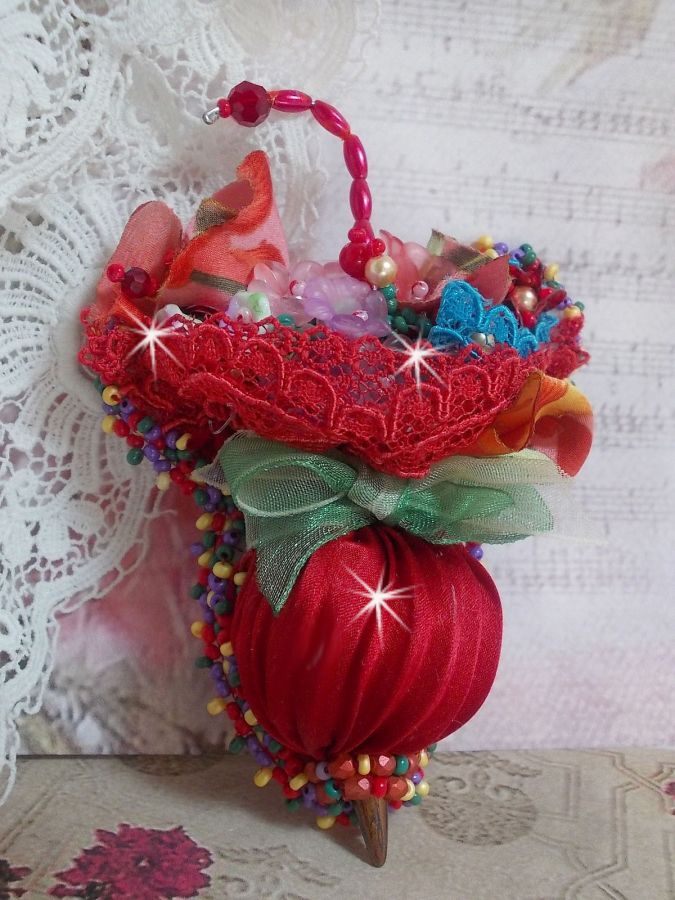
point(355, 157)
point(291, 101)
point(250, 103)
point(360, 199)
point(330, 119)
point(224, 108)
point(419, 290)
point(137, 283)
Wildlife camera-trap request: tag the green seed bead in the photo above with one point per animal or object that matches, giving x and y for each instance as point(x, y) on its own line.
point(410, 316)
point(286, 319)
point(171, 455)
point(216, 628)
point(432, 748)
point(223, 608)
point(238, 525)
point(400, 324)
point(334, 809)
point(196, 591)
point(331, 790)
point(235, 680)
point(274, 746)
point(209, 538)
point(200, 497)
point(203, 662)
point(526, 248)
point(389, 291)
point(294, 803)
point(392, 305)
point(580, 305)
point(225, 553)
point(402, 765)
point(237, 744)
point(144, 425)
point(135, 456)
point(184, 454)
point(415, 800)
point(390, 321)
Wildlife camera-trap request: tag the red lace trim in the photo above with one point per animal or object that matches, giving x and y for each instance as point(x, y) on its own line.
point(315, 389)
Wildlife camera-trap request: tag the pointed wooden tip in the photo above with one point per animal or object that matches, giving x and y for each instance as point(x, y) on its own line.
point(372, 815)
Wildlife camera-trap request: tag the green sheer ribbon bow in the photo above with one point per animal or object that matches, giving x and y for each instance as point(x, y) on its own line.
point(294, 502)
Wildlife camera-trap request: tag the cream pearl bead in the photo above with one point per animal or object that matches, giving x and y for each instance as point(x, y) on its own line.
point(525, 297)
point(381, 270)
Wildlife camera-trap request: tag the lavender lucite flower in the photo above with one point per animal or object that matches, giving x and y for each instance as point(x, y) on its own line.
point(345, 304)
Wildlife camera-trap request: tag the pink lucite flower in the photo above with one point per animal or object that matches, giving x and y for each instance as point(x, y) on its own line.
point(280, 286)
point(412, 260)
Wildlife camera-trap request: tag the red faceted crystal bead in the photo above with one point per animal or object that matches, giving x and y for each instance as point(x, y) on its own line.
point(357, 788)
point(383, 765)
point(342, 767)
point(250, 103)
point(137, 283)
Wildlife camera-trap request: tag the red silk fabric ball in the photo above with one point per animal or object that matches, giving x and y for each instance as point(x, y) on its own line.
point(321, 680)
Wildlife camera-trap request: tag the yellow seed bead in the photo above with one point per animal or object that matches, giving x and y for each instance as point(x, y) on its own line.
point(183, 440)
point(210, 596)
point(216, 706)
point(491, 253)
point(410, 793)
point(422, 788)
point(205, 559)
point(572, 312)
point(249, 718)
point(111, 395)
point(163, 481)
point(325, 821)
point(222, 570)
point(298, 781)
point(363, 764)
point(424, 759)
point(263, 776)
point(226, 649)
point(204, 522)
point(226, 665)
point(484, 243)
point(107, 424)
point(239, 578)
point(196, 628)
point(551, 272)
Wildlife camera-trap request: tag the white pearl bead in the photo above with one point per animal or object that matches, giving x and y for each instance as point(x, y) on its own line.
point(381, 270)
point(525, 297)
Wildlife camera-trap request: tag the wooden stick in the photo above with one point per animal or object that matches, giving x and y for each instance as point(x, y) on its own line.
point(372, 816)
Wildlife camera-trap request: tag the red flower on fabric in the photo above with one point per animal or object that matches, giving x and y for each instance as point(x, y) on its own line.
point(136, 864)
point(8, 875)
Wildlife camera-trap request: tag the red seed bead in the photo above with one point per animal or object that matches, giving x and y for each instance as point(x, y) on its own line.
point(528, 318)
point(250, 103)
point(290, 793)
point(135, 440)
point(358, 235)
point(115, 272)
point(217, 522)
point(233, 711)
point(395, 804)
point(134, 419)
point(224, 108)
point(379, 787)
point(343, 818)
point(291, 101)
point(121, 428)
point(310, 772)
point(176, 475)
point(360, 199)
point(377, 247)
point(279, 775)
point(353, 259)
point(242, 728)
point(330, 119)
point(208, 635)
point(212, 652)
point(355, 157)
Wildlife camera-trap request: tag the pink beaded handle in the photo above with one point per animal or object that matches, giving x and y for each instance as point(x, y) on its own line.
point(249, 104)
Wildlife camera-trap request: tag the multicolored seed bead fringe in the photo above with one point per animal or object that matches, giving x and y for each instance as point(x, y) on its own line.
point(327, 787)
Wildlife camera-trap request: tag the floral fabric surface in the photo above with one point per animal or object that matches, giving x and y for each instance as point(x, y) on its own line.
point(523, 825)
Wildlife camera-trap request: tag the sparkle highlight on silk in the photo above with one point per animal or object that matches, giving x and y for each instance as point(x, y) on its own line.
point(417, 356)
point(152, 338)
point(378, 599)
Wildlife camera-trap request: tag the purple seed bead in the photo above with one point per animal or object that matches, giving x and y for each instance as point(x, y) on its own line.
point(196, 549)
point(213, 493)
point(416, 777)
point(217, 673)
point(476, 552)
point(151, 453)
point(171, 437)
point(223, 689)
point(209, 615)
point(209, 507)
point(519, 254)
point(319, 808)
point(264, 758)
point(252, 743)
point(501, 248)
point(214, 582)
point(347, 806)
point(162, 465)
point(107, 408)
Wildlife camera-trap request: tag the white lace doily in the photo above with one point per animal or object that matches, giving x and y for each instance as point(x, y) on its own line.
point(100, 106)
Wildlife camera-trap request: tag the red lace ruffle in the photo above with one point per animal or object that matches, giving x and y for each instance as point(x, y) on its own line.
point(316, 389)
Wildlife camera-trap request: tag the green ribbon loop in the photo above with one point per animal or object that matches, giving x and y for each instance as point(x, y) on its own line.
point(294, 502)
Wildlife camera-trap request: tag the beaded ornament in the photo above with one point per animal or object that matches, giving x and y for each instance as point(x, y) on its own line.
point(352, 433)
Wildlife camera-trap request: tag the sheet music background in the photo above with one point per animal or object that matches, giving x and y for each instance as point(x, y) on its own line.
point(552, 122)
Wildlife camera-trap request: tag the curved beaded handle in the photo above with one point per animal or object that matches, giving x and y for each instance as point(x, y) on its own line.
point(249, 104)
